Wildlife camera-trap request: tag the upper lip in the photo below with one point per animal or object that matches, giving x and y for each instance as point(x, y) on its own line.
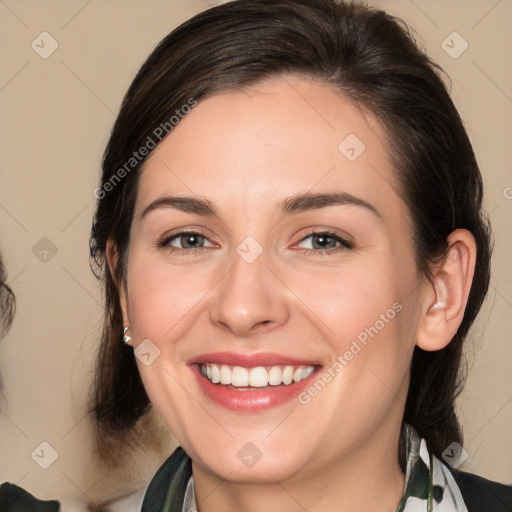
point(251, 360)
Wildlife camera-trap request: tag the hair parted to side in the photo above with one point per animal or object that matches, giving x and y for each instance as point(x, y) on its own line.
point(7, 302)
point(370, 57)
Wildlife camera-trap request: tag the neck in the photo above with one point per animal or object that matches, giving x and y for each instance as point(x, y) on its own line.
point(368, 478)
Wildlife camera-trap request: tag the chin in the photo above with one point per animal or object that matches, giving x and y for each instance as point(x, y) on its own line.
point(249, 458)
point(258, 470)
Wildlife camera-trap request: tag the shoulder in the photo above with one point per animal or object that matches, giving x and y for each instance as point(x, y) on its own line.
point(482, 495)
point(16, 499)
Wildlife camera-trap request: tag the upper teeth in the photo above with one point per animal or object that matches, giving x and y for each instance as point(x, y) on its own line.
point(258, 377)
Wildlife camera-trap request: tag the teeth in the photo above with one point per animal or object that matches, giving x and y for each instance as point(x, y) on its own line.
point(288, 375)
point(225, 374)
point(308, 371)
point(275, 376)
point(297, 375)
point(215, 371)
point(239, 376)
point(258, 377)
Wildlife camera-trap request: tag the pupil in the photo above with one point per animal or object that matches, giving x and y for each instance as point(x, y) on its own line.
point(323, 240)
point(190, 240)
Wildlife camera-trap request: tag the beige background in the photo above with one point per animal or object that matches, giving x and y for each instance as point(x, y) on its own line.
point(56, 114)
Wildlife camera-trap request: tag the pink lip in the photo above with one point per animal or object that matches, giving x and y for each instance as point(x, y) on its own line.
point(253, 399)
point(251, 360)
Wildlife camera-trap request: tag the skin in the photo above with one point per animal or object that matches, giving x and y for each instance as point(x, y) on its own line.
point(246, 152)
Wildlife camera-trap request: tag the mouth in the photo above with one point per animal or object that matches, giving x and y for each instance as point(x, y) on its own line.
point(251, 383)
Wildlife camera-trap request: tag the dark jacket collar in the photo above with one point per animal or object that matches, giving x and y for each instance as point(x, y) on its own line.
point(166, 492)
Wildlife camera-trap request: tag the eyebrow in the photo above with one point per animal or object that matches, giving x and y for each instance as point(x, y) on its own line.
point(296, 204)
point(308, 201)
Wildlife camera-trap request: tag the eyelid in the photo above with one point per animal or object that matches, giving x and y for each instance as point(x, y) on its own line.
point(345, 240)
point(346, 243)
point(164, 240)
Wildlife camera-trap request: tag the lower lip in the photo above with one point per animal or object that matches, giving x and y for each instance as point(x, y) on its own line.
point(252, 399)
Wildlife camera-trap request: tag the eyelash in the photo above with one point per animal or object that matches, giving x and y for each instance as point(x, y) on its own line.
point(344, 244)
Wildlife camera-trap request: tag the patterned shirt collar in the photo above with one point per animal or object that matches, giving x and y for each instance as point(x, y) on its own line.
point(429, 484)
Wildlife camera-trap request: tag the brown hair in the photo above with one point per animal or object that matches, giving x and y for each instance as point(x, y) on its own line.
point(372, 58)
point(7, 302)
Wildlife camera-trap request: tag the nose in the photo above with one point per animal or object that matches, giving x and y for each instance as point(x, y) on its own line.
point(250, 299)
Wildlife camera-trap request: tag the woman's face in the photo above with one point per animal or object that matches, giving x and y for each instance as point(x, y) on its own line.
point(297, 257)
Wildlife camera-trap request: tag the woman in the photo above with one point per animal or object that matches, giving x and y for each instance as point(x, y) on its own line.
point(290, 234)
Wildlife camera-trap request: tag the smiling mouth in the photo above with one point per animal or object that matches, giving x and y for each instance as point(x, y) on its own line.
point(241, 378)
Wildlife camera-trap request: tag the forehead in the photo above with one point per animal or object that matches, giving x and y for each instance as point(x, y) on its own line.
point(277, 138)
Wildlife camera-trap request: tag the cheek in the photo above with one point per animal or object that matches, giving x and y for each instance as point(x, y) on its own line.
point(368, 314)
point(353, 298)
point(162, 298)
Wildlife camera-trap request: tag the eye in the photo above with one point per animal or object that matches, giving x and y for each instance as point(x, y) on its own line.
point(323, 242)
point(186, 240)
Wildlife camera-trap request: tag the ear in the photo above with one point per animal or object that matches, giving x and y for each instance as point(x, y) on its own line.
point(447, 294)
point(112, 260)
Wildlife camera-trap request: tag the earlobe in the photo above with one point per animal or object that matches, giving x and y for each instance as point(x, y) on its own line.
point(447, 294)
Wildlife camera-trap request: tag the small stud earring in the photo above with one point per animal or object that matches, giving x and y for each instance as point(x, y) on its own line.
point(126, 338)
